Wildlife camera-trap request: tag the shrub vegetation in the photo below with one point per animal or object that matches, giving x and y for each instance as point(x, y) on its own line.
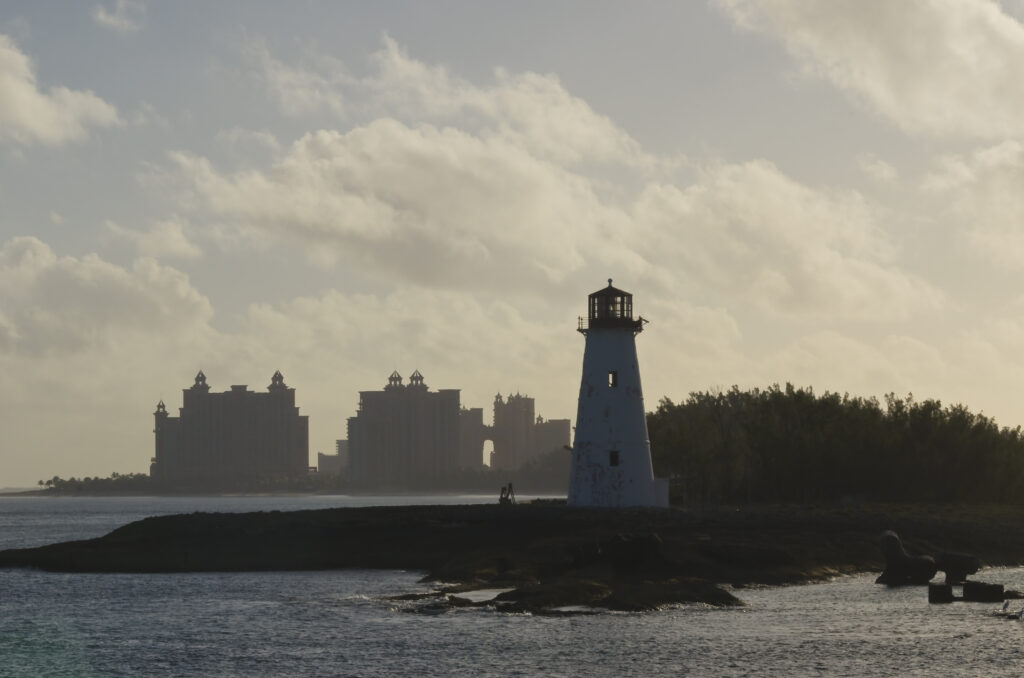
point(780, 445)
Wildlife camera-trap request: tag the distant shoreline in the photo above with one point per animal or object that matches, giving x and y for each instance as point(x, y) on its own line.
point(550, 555)
point(376, 493)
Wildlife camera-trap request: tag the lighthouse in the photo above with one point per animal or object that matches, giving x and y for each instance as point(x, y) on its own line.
point(611, 455)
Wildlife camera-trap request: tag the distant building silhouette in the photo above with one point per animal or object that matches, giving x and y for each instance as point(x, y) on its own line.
point(513, 432)
point(220, 439)
point(407, 436)
point(550, 435)
point(519, 436)
point(404, 436)
point(334, 464)
point(472, 434)
point(329, 464)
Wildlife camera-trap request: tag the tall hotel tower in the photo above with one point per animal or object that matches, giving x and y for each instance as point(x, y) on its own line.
point(611, 455)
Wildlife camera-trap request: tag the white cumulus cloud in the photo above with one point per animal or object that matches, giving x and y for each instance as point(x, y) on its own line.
point(753, 233)
point(55, 116)
point(981, 194)
point(166, 238)
point(418, 203)
point(936, 67)
point(55, 304)
point(530, 110)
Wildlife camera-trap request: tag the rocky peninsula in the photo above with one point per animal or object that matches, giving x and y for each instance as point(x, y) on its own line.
point(549, 555)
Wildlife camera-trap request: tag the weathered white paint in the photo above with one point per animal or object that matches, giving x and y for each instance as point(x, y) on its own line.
point(611, 419)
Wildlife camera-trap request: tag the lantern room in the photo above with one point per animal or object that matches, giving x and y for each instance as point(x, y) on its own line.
point(610, 308)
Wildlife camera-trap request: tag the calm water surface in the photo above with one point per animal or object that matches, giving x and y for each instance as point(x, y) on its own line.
point(343, 624)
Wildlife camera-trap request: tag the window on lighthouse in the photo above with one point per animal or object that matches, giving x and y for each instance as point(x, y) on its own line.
point(615, 306)
point(613, 457)
point(613, 378)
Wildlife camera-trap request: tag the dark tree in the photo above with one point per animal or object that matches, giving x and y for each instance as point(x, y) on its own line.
point(790, 445)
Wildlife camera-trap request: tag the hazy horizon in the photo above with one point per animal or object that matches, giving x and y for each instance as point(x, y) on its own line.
point(827, 194)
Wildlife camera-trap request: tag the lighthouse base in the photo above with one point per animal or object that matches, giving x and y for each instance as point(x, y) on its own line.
point(591, 485)
point(661, 492)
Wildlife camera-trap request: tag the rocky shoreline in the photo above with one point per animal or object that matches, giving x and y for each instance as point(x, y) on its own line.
point(549, 556)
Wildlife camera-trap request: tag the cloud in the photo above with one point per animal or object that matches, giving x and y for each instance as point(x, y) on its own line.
point(530, 110)
point(497, 195)
point(315, 86)
point(147, 114)
point(981, 195)
point(756, 235)
point(86, 349)
point(876, 168)
point(237, 137)
point(29, 115)
point(166, 239)
point(433, 330)
point(831, 360)
point(56, 305)
point(935, 67)
point(126, 16)
point(423, 204)
point(444, 208)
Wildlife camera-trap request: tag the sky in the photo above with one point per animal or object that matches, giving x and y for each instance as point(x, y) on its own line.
point(827, 194)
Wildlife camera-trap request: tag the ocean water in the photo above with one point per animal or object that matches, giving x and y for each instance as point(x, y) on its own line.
point(343, 623)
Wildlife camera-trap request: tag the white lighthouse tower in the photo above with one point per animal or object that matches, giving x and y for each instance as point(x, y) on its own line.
point(611, 456)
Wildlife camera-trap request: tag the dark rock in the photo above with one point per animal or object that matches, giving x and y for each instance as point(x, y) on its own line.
point(552, 555)
point(623, 552)
point(940, 593)
point(957, 566)
point(982, 592)
point(629, 552)
point(748, 555)
point(901, 568)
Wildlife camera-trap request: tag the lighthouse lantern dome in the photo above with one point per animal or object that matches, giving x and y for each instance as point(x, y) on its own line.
point(611, 307)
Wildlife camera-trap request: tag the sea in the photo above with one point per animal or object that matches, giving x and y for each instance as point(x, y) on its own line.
point(347, 623)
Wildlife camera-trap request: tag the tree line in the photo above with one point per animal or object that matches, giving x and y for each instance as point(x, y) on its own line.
point(787, 444)
point(117, 483)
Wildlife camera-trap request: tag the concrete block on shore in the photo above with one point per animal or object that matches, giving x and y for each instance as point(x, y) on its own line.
point(982, 592)
point(940, 593)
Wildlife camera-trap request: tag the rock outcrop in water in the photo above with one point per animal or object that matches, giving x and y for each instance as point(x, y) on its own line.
point(551, 556)
point(902, 568)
